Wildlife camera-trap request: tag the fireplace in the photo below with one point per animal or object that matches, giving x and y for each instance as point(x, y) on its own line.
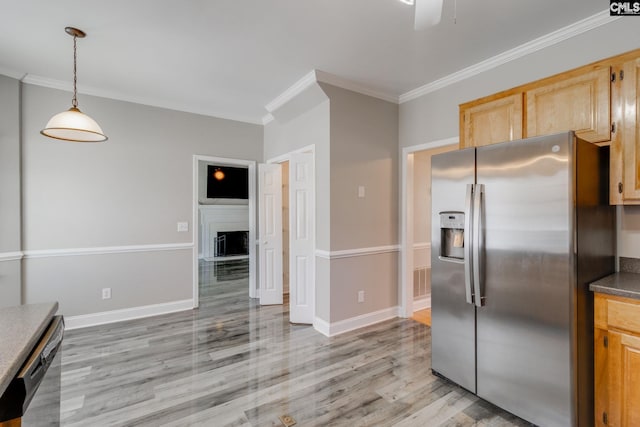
point(231, 243)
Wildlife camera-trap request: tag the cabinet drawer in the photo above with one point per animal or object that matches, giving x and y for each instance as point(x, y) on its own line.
point(624, 315)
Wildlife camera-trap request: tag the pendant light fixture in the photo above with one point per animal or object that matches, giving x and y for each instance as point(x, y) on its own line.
point(73, 125)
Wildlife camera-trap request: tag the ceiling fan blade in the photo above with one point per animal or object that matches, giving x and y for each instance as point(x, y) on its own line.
point(427, 13)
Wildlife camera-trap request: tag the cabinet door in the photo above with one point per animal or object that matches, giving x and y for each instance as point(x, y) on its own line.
point(631, 130)
point(624, 380)
point(494, 121)
point(580, 103)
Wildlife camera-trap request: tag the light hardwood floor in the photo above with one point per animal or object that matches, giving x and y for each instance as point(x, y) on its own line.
point(423, 316)
point(234, 363)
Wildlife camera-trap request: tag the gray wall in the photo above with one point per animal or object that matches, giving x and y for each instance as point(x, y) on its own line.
point(356, 139)
point(422, 192)
point(130, 190)
point(295, 131)
point(297, 125)
point(422, 197)
point(364, 152)
point(435, 116)
point(9, 190)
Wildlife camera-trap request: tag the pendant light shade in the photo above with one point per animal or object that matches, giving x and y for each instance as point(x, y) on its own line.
point(73, 125)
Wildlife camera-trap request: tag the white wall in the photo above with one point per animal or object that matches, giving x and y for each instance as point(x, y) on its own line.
point(10, 274)
point(434, 116)
point(128, 191)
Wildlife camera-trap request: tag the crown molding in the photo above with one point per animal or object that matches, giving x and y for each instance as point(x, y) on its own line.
point(340, 82)
point(10, 72)
point(293, 91)
point(535, 45)
point(267, 118)
point(317, 76)
point(93, 91)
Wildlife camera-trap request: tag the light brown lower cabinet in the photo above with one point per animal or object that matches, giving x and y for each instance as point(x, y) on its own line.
point(617, 361)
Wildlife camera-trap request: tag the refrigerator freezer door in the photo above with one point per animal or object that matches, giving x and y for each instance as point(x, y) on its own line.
point(452, 317)
point(524, 335)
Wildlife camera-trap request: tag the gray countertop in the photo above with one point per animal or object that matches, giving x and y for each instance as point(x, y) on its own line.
point(621, 284)
point(20, 329)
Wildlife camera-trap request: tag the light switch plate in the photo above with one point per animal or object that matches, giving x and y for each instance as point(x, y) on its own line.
point(183, 226)
point(361, 191)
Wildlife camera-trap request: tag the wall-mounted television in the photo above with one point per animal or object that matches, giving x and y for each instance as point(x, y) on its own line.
point(226, 182)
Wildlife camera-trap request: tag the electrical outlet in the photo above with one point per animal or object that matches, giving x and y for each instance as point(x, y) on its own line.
point(183, 226)
point(361, 191)
point(106, 293)
point(360, 296)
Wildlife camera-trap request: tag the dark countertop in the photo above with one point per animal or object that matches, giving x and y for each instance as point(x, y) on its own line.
point(621, 284)
point(20, 329)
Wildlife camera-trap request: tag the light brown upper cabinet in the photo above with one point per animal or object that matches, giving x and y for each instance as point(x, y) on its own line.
point(600, 102)
point(579, 101)
point(625, 154)
point(491, 121)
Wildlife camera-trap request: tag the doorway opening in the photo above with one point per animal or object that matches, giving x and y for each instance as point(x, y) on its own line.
point(287, 233)
point(224, 231)
point(415, 224)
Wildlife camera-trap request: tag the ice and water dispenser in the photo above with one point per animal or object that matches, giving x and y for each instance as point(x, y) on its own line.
point(452, 236)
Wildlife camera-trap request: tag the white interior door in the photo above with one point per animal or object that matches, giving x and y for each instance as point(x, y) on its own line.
point(302, 238)
point(270, 242)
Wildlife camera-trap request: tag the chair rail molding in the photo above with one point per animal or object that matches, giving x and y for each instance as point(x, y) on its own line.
point(349, 253)
point(103, 250)
point(11, 256)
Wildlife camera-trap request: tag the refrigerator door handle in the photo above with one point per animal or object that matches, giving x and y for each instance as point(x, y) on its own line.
point(478, 243)
point(468, 261)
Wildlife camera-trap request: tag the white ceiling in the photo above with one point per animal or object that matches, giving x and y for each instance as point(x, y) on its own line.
point(230, 58)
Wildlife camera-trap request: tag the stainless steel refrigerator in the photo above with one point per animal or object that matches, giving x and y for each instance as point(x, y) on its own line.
point(519, 229)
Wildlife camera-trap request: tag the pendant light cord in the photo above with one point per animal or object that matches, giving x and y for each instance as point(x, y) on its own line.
point(74, 101)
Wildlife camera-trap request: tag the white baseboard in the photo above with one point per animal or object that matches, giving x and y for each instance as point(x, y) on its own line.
point(342, 326)
point(422, 304)
point(322, 326)
point(94, 319)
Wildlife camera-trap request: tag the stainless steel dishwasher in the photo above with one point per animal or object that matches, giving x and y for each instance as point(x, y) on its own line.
point(33, 396)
